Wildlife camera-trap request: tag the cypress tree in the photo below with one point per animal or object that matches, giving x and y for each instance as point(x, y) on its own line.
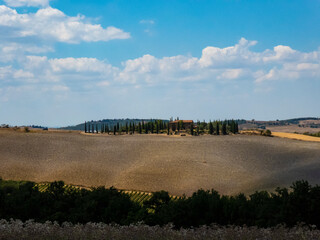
point(232, 127)
point(152, 127)
point(107, 130)
point(218, 128)
point(191, 129)
point(85, 127)
point(157, 128)
point(114, 130)
point(92, 128)
point(143, 126)
point(140, 128)
point(127, 129)
point(133, 127)
point(236, 130)
point(168, 129)
point(97, 128)
point(118, 126)
point(224, 128)
point(146, 128)
point(120, 129)
point(210, 128)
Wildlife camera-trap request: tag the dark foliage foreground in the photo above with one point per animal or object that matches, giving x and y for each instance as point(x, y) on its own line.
point(30, 230)
point(24, 201)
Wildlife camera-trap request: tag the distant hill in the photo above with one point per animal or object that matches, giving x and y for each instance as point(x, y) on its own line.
point(111, 123)
point(299, 125)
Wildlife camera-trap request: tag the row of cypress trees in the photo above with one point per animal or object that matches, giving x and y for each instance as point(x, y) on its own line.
point(159, 126)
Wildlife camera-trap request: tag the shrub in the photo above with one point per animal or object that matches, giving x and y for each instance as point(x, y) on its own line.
point(26, 129)
point(266, 133)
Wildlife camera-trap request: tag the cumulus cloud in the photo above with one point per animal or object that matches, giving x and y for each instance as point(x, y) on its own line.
point(52, 24)
point(28, 3)
point(231, 64)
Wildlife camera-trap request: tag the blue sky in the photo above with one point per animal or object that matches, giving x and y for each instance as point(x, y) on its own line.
point(66, 61)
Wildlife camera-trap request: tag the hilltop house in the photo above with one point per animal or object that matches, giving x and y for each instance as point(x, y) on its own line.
point(180, 125)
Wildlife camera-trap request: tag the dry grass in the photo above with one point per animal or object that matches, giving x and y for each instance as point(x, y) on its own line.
point(296, 136)
point(229, 164)
point(33, 231)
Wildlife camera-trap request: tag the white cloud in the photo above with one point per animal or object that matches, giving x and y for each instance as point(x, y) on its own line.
point(146, 21)
point(59, 88)
point(52, 24)
point(230, 64)
point(230, 56)
point(28, 3)
point(22, 74)
point(231, 74)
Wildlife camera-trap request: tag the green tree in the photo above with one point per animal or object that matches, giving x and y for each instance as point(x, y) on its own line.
point(210, 128)
point(146, 126)
point(224, 128)
point(218, 128)
point(114, 130)
point(140, 128)
point(191, 129)
point(85, 127)
point(127, 128)
point(198, 128)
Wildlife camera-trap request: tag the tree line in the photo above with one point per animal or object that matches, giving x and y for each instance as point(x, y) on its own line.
point(143, 127)
point(159, 126)
point(24, 201)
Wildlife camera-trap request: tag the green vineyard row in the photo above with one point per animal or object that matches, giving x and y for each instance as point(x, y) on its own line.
point(135, 196)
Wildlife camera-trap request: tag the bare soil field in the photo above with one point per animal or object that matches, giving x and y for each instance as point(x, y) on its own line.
point(180, 165)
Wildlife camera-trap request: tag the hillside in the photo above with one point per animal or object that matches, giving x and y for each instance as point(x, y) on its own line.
point(295, 125)
point(229, 164)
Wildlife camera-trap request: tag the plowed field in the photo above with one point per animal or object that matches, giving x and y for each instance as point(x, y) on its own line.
point(180, 165)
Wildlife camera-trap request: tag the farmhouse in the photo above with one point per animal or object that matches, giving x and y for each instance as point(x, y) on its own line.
point(180, 125)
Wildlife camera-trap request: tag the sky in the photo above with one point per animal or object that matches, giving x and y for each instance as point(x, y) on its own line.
point(63, 62)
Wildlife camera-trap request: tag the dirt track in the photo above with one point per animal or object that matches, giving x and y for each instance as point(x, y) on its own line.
point(229, 164)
